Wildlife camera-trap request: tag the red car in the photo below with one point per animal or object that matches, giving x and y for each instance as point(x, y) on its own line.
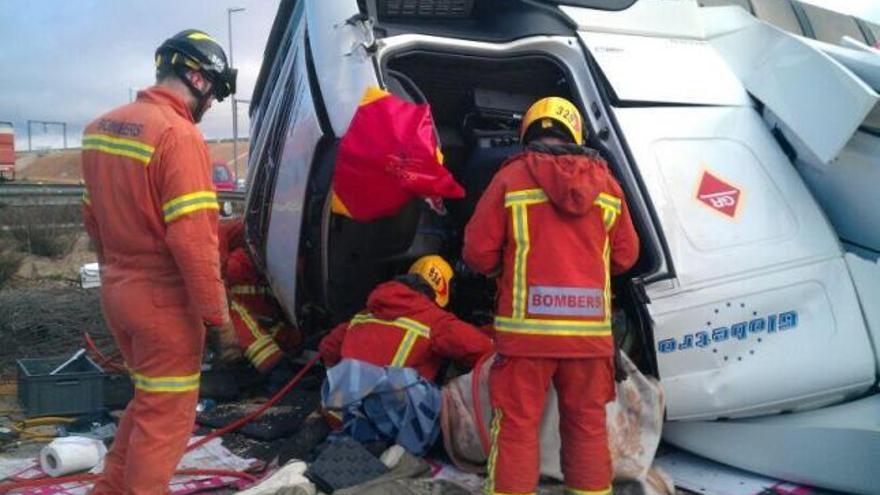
point(223, 179)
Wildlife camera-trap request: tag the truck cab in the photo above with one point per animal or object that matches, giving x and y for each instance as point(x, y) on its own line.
point(742, 301)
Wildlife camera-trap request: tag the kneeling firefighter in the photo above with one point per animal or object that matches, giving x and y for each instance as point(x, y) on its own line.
point(399, 342)
point(554, 223)
point(260, 327)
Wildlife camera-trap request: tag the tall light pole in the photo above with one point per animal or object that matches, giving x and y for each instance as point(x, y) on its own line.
point(229, 12)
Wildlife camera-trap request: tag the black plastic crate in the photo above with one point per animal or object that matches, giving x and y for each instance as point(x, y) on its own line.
point(77, 389)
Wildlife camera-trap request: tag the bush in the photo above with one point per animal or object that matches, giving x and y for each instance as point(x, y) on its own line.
point(44, 230)
point(10, 258)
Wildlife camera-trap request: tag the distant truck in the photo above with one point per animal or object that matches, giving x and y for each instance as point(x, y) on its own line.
point(7, 151)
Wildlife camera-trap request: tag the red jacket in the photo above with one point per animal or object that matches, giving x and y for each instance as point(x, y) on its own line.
point(402, 327)
point(150, 204)
point(556, 226)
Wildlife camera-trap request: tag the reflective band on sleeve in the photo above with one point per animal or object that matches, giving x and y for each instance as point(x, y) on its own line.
point(188, 203)
point(575, 491)
point(250, 290)
point(174, 384)
point(86, 198)
point(413, 330)
point(271, 349)
point(128, 148)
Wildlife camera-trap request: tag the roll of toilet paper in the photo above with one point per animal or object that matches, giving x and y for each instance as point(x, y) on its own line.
point(71, 454)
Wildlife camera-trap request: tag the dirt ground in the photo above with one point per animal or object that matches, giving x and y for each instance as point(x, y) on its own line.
point(63, 166)
point(39, 271)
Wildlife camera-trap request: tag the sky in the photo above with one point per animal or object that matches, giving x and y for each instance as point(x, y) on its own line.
point(72, 60)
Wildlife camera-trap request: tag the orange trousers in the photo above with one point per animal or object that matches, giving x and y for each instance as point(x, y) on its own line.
point(518, 388)
point(162, 342)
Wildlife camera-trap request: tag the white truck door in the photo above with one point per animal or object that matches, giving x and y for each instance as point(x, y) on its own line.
point(762, 315)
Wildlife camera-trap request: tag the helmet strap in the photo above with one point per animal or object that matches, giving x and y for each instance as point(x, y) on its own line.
point(202, 97)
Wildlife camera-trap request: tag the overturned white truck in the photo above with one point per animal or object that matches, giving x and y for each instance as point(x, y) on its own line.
point(750, 158)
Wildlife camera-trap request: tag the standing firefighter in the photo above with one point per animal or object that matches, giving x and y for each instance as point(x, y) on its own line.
point(554, 224)
point(151, 211)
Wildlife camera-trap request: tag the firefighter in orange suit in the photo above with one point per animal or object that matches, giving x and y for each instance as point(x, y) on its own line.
point(404, 325)
point(553, 224)
point(151, 211)
point(263, 332)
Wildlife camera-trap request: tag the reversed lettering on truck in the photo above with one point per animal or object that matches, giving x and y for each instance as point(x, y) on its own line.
point(740, 331)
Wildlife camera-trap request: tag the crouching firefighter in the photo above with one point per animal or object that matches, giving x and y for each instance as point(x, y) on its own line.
point(398, 343)
point(554, 225)
point(261, 330)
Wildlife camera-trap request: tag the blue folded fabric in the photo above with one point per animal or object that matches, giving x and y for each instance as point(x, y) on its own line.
point(384, 404)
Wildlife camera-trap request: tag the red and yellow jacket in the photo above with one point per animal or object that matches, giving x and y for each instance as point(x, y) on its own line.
point(150, 204)
point(263, 331)
point(402, 327)
point(556, 226)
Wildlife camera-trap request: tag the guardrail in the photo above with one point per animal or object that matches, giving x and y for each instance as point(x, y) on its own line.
point(12, 193)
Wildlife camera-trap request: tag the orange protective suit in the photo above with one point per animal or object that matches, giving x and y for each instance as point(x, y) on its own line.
point(554, 221)
point(403, 327)
point(263, 331)
point(151, 211)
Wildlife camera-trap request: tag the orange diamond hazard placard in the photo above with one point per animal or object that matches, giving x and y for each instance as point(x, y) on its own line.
point(719, 195)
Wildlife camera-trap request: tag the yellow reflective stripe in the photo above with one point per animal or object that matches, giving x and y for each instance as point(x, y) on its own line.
point(249, 290)
point(266, 353)
point(606, 256)
point(257, 346)
point(491, 463)
point(571, 328)
point(248, 320)
point(610, 209)
point(525, 197)
point(184, 383)
point(275, 329)
point(404, 323)
point(86, 198)
point(413, 330)
point(403, 350)
point(520, 257)
point(128, 148)
point(201, 36)
point(575, 491)
point(188, 203)
point(609, 201)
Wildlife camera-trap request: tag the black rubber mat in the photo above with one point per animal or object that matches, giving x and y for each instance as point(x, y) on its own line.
point(276, 422)
point(344, 463)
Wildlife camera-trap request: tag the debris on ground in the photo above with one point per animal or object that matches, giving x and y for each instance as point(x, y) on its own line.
point(212, 456)
point(36, 322)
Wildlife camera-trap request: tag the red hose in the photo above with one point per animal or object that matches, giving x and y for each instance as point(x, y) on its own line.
point(250, 417)
point(7, 487)
point(40, 482)
point(103, 361)
point(478, 405)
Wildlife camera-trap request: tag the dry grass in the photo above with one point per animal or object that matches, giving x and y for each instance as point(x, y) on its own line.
point(10, 258)
point(48, 231)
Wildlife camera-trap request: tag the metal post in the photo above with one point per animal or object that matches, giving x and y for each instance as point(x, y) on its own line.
point(229, 12)
point(29, 136)
point(64, 130)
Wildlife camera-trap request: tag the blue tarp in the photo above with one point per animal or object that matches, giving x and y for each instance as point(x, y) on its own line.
point(384, 404)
